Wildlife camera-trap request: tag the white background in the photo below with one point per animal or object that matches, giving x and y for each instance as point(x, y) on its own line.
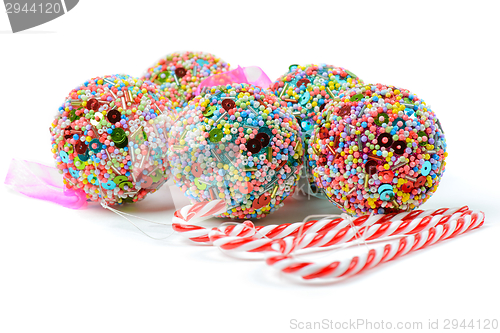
point(90, 271)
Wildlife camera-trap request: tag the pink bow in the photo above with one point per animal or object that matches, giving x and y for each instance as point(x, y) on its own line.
point(250, 75)
point(42, 182)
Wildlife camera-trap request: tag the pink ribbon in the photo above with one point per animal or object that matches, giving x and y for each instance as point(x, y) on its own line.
point(250, 75)
point(42, 182)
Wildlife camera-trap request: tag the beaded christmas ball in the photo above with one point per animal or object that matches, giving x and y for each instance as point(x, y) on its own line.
point(307, 89)
point(180, 74)
point(109, 139)
point(236, 143)
point(377, 149)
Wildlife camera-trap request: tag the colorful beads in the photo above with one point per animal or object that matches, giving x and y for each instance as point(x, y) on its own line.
point(377, 148)
point(245, 150)
point(180, 74)
point(307, 90)
point(109, 139)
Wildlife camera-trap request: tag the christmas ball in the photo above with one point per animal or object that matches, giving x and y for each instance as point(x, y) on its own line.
point(377, 149)
point(180, 74)
point(109, 139)
point(307, 89)
point(236, 143)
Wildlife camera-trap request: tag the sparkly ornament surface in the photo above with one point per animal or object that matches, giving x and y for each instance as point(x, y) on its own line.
point(238, 144)
point(180, 74)
point(109, 139)
point(377, 148)
point(307, 90)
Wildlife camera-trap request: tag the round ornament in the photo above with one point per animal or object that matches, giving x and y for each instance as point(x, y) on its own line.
point(180, 74)
point(307, 90)
point(109, 139)
point(377, 149)
point(236, 143)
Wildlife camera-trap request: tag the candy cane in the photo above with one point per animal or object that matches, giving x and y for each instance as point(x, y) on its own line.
point(203, 209)
point(369, 229)
point(200, 209)
point(416, 230)
point(288, 264)
point(201, 235)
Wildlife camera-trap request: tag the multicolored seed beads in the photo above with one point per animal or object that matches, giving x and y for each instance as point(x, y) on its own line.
point(236, 143)
point(109, 139)
point(379, 149)
point(180, 74)
point(308, 89)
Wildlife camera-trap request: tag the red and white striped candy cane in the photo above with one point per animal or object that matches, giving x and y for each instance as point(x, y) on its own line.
point(338, 232)
point(201, 235)
point(416, 230)
point(198, 210)
point(204, 209)
point(289, 264)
